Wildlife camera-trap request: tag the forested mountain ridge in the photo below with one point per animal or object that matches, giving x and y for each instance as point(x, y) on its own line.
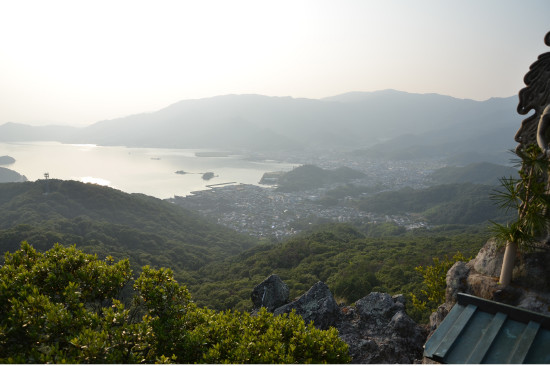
point(464, 203)
point(220, 266)
point(310, 177)
point(353, 121)
point(8, 175)
point(110, 222)
point(479, 173)
point(350, 262)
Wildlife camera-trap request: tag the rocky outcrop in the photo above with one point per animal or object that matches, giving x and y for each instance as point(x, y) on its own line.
point(530, 287)
point(377, 329)
point(317, 305)
point(271, 293)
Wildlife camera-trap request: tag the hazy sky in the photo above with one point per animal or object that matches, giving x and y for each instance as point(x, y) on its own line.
point(78, 62)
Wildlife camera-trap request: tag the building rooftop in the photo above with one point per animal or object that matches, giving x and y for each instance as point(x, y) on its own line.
point(483, 331)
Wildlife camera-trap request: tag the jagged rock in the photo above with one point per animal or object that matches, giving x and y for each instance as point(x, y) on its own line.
point(317, 304)
point(483, 286)
point(378, 330)
point(437, 316)
point(271, 293)
point(457, 280)
point(378, 306)
point(399, 299)
point(535, 302)
point(533, 270)
point(489, 259)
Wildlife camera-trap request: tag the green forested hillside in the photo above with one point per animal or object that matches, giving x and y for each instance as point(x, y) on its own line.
point(479, 173)
point(464, 203)
point(310, 176)
point(63, 306)
point(351, 263)
point(109, 222)
point(8, 175)
point(220, 266)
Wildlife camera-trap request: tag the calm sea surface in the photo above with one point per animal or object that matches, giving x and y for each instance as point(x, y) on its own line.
point(133, 170)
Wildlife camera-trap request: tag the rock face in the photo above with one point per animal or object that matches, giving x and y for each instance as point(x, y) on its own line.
point(377, 329)
point(317, 305)
point(271, 293)
point(530, 287)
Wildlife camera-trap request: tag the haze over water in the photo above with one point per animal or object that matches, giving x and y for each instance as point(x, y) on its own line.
point(134, 170)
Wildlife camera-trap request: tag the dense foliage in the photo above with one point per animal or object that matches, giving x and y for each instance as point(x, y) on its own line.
point(527, 198)
point(443, 204)
point(63, 306)
point(219, 266)
point(310, 176)
point(106, 221)
point(479, 173)
point(351, 263)
point(434, 283)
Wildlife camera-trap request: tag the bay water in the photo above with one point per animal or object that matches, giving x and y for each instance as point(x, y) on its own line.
point(151, 171)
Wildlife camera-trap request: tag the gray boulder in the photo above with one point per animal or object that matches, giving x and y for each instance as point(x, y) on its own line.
point(317, 305)
point(378, 307)
point(376, 329)
point(271, 293)
point(457, 280)
point(379, 331)
point(489, 259)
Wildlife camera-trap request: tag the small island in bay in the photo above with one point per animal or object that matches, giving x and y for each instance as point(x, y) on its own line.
point(208, 176)
point(6, 160)
point(205, 176)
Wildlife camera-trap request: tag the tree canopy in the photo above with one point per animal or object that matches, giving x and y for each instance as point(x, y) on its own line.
point(65, 306)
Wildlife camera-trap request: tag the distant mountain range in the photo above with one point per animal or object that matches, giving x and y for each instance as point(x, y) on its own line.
point(389, 123)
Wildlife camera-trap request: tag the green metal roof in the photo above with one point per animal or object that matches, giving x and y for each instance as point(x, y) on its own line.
point(483, 331)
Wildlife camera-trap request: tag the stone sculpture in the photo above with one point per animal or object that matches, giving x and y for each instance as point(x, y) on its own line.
point(534, 130)
point(536, 95)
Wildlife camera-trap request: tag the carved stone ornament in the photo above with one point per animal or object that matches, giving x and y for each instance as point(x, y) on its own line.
point(536, 95)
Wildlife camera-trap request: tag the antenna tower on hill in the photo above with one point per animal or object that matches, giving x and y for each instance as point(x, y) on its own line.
point(47, 176)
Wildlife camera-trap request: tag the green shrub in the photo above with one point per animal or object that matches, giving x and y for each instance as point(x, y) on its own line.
point(434, 284)
point(61, 306)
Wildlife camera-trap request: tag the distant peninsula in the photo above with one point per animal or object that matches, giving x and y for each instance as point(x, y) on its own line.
point(6, 160)
point(11, 176)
